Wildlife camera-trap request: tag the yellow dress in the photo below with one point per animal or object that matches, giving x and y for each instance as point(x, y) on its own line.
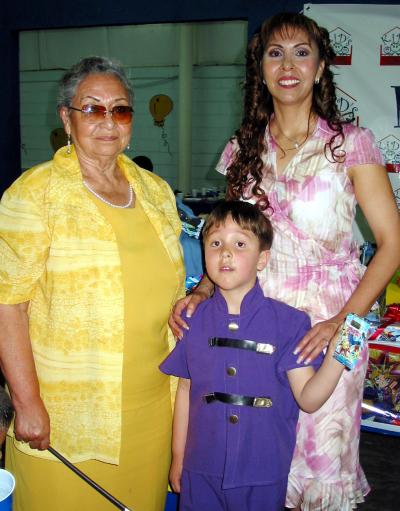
point(140, 479)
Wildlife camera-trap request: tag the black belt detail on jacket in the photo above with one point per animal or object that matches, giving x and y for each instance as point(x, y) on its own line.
point(237, 399)
point(242, 344)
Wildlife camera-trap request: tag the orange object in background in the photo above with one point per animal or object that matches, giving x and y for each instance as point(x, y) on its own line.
point(160, 106)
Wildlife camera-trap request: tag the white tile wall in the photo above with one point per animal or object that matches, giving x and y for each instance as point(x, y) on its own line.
point(216, 115)
point(216, 94)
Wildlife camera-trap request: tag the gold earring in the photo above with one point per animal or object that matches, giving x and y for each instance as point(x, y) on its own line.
point(68, 143)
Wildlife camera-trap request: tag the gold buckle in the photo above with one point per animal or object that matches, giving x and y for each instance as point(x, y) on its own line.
point(265, 348)
point(262, 402)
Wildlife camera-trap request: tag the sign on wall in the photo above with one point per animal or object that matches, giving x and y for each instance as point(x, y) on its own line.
point(366, 39)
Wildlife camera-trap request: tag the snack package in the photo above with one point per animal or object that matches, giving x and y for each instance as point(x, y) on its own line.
point(351, 339)
point(382, 388)
point(391, 333)
point(389, 317)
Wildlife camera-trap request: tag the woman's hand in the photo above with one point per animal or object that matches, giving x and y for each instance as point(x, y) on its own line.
point(190, 303)
point(317, 339)
point(175, 474)
point(32, 424)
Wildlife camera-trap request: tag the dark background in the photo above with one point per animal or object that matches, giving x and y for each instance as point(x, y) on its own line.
point(20, 15)
point(380, 454)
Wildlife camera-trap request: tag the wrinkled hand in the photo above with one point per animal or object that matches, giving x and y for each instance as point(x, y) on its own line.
point(32, 424)
point(175, 474)
point(190, 303)
point(317, 339)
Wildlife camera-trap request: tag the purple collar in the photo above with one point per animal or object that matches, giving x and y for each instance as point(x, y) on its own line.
point(250, 303)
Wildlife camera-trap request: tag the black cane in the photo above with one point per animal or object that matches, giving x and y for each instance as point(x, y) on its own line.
point(117, 503)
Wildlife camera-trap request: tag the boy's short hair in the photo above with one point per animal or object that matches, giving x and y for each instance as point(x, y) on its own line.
point(246, 215)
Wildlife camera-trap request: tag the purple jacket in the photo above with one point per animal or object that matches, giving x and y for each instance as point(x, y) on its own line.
point(256, 449)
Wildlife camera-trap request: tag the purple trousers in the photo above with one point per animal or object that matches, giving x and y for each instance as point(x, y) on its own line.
point(201, 492)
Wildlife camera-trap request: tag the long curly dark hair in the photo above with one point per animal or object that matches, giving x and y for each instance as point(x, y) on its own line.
point(246, 171)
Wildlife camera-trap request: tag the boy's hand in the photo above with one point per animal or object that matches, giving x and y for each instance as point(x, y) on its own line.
point(175, 474)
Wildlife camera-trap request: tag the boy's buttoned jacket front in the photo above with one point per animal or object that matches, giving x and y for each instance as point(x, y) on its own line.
point(245, 445)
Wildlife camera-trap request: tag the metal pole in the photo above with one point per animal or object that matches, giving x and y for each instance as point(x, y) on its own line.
point(185, 107)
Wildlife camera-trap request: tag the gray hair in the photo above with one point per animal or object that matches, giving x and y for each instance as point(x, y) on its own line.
point(90, 66)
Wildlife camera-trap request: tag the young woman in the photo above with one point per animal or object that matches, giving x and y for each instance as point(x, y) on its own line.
point(307, 169)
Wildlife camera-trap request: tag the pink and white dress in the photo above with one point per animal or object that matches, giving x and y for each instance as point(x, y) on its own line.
point(315, 267)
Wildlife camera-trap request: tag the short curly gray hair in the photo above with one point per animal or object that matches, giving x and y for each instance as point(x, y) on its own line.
point(90, 66)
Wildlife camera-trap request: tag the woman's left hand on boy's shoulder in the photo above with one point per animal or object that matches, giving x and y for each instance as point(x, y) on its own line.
point(317, 339)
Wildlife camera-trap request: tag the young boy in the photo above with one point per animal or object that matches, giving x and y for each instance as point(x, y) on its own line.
point(240, 384)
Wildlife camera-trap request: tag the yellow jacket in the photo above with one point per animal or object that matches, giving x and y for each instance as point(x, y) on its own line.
point(59, 253)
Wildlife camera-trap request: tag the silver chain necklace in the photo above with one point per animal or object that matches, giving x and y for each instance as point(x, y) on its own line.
point(296, 145)
point(124, 206)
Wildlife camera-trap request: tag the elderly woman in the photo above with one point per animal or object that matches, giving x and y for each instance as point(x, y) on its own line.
point(90, 268)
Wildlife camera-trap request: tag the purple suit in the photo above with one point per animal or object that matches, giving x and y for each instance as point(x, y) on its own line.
point(241, 445)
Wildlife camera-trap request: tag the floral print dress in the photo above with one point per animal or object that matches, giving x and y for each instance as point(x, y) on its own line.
point(315, 267)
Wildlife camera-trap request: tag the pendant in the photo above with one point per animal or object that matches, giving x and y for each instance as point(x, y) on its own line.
point(296, 145)
point(233, 326)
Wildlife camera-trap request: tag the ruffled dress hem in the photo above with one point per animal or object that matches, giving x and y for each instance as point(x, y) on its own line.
point(312, 495)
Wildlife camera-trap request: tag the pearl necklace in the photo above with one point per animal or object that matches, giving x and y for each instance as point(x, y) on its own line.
point(124, 206)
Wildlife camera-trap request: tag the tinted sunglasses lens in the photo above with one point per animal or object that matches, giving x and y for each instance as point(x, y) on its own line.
point(94, 113)
point(97, 113)
point(122, 114)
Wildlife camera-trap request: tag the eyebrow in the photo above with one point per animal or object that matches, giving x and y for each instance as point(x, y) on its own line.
point(245, 232)
point(295, 46)
point(99, 100)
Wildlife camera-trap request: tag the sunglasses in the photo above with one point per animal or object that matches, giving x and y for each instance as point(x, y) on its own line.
point(97, 113)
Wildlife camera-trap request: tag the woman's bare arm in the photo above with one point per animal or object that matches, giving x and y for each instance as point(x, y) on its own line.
point(32, 423)
point(375, 196)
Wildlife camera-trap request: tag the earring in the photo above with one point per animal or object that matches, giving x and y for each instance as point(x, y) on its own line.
point(316, 81)
point(68, 144)
point(128, 147)
point(264, 82)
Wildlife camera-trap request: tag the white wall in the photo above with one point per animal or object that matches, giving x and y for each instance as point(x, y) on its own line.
point(150, 54)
